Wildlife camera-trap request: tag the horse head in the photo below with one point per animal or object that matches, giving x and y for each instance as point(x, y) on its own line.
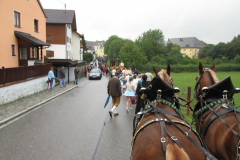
point(161, 85)
point(205, 78)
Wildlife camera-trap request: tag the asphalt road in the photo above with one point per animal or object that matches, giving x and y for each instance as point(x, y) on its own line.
point(71, 127)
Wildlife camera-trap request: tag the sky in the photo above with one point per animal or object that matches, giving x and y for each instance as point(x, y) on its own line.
point(211, 21)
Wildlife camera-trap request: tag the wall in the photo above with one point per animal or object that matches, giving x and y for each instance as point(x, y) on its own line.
point(16, 91)
point(29, 10)
point(75, 46)
point(57, 33)
point(59, 50)
point(190, 52)
point(69, 45)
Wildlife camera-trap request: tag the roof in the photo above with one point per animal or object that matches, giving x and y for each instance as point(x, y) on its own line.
point(188, 42)
point(41, 7)
point(61, 17)
point(95, 43)
point(31, 39)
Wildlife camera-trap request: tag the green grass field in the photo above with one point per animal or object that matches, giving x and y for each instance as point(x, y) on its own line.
point(185, 80)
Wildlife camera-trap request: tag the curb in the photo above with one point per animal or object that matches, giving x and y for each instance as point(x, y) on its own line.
point(33, 107)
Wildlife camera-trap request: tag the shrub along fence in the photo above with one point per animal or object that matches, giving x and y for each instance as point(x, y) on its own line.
point(190, 67)
point(19, 74)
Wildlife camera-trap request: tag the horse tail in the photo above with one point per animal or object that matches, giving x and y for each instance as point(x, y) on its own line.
point(173, 152)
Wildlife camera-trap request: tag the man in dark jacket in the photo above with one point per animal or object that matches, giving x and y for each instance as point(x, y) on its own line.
point(62, 77)
point(114, 90)
point(136, 72)
point(76, 74)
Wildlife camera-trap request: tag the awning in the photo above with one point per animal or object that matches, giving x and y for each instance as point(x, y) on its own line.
point(63, 62)
point(33, 40)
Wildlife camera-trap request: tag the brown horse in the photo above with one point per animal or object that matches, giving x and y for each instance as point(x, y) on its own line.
point(148, 142)
point(219, 139)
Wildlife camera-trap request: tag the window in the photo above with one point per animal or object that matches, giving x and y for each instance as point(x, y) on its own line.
point(13, 50)
point(184, 49)
point(16, 19)
point(33, 51)
point(35, 25)
point(23, 53)
point(50, 53)
point(48, 38)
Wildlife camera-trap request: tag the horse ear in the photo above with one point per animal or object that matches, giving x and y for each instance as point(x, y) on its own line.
point(213, 67)
point(168, 69)
point(155, 70)
point(200, 68)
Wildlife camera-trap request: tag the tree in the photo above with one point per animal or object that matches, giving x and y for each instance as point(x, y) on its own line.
point(174, 56)
point(224, 59)
point(84, 44)
point(114, 48)
point(234, 47)
point(131, 55)
point(151, 43)
point(221, 49)
point(204, 50)
point(159, 60)
point(236, 60)
point(108, 42)
point(88, 57)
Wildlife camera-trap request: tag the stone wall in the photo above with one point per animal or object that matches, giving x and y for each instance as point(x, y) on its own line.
point(19, 90)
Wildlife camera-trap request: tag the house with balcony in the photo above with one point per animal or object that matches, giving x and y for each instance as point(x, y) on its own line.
point(61, 33)
point(190, 46)
point(23, 33)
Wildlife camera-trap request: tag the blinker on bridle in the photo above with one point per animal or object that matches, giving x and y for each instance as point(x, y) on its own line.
point(197, 94)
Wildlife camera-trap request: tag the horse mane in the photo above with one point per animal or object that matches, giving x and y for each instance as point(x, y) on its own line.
point(213, 74)
point(163, 74)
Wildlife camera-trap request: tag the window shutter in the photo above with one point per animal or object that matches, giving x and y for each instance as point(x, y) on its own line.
point(52, 53)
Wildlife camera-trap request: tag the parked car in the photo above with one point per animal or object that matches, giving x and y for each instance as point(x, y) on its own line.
point(95, 74)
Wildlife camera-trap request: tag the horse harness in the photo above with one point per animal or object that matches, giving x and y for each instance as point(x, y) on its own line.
point(211, 97)
point(163, 119)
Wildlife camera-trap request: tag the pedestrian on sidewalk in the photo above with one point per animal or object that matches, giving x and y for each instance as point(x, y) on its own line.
point(76, 74)
point(114, 90)
point(113, 72)
point(130, 93)
point(62, 77)
point(51, 77)
point(86, 71)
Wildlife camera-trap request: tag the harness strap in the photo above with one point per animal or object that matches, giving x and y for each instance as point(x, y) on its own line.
point(208, 154)
point(213, 117)
point(224, 122)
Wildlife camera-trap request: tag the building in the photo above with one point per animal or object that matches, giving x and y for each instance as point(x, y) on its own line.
point(23, 33)
point(65, 49)
point(61, 33)
point(190, 46)
point(97, 47)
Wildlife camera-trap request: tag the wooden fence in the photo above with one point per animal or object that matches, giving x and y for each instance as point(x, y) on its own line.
point(10, 75)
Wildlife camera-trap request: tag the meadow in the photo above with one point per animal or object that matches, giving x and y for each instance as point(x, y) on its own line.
point(188, 79)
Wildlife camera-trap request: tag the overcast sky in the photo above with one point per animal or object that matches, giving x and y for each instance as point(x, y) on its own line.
point(211, 21)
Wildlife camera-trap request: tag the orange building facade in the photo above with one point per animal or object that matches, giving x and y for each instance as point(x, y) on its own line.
point(22, 33)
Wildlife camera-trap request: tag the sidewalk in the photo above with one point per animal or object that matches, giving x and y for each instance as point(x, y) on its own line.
point(21, 106)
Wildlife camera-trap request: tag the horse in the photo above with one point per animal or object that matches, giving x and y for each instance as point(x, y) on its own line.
point(151, 140)
point(215, 116)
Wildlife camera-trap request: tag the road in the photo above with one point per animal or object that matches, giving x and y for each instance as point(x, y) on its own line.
point(71, 127)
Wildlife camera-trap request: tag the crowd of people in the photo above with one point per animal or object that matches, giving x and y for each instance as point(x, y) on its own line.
point(127, 83)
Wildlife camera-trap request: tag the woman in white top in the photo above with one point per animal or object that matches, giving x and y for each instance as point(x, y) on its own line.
point(130, 93)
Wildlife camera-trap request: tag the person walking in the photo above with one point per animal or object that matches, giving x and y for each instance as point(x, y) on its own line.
point(149, 76)
point(51, 77)
point(130, 93)
point(76, 74)
point(140, 102)
point(62, 77)
point(113, 72)
point(114, 90)
point(136, 72)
